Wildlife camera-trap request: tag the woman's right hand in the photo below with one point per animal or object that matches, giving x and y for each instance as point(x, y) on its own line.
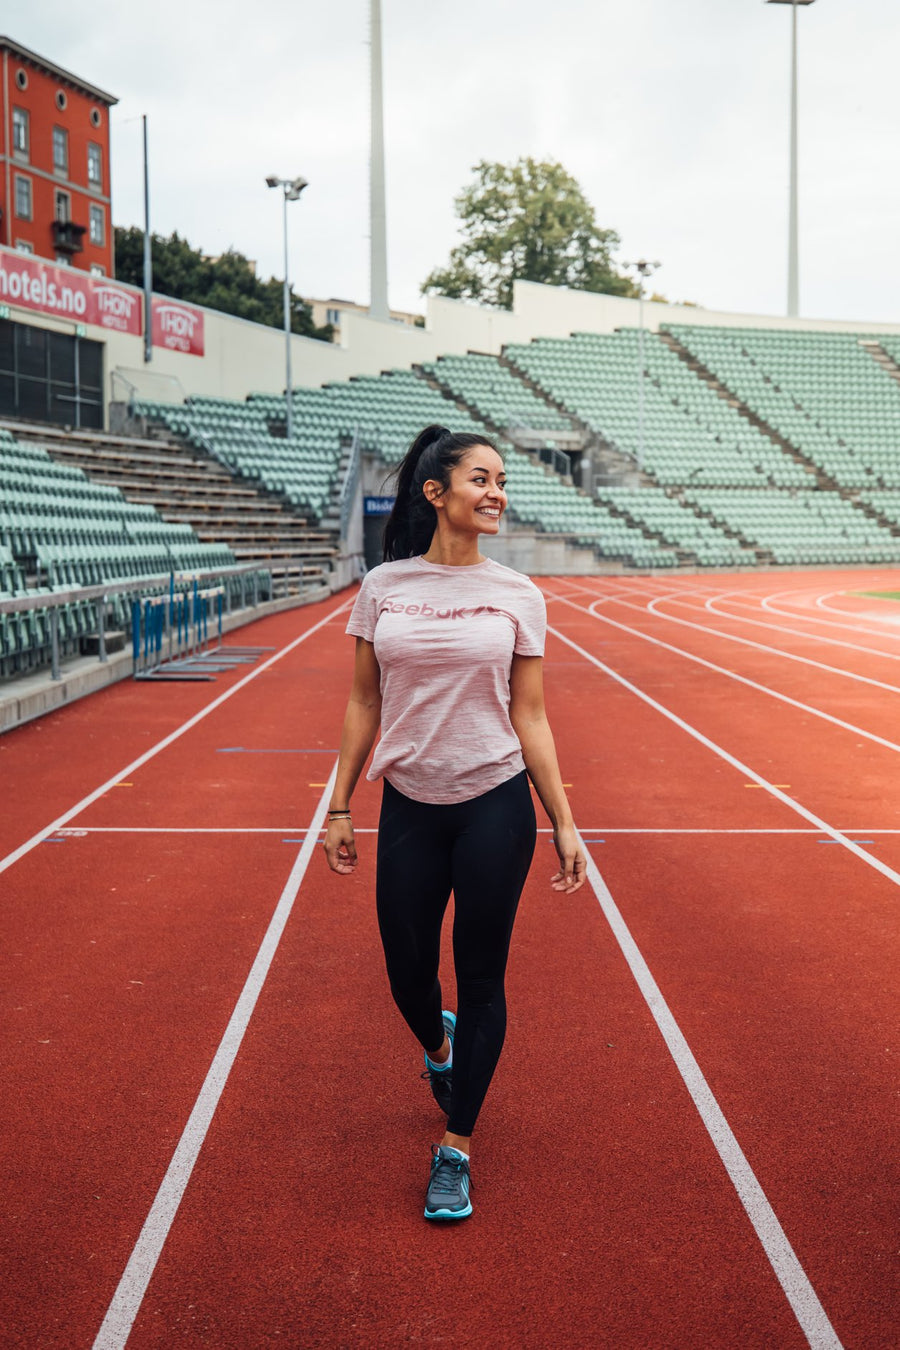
point(340, 846)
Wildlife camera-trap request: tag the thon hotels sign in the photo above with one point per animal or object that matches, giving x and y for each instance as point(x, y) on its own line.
point(66, 293)
point(177, 326)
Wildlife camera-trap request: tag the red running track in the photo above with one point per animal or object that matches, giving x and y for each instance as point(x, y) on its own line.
point(692, 1137)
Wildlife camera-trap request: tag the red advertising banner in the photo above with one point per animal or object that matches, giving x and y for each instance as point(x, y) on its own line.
point(67, 293)
point(176, 325)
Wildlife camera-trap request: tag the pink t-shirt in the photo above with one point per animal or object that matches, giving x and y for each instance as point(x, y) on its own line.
point(444, 639)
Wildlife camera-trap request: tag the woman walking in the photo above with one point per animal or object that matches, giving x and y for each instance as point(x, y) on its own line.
point(449, 648)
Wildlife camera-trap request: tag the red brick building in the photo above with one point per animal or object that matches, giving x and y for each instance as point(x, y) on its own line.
point(55, 180)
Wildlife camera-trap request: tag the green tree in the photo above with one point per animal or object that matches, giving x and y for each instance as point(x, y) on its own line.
point(228, 283)
point(527, 221)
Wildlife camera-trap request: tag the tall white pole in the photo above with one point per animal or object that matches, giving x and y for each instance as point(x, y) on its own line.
point(287, 326)
point(793, 246)
point(378, 297)
point(148, 257)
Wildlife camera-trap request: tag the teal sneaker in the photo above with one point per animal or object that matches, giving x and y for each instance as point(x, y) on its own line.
point(447, 1196)
point(442, 1079)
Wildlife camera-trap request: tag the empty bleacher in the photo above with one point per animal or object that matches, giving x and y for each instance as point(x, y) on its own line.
point(824, 393)
point(545, 501)
point(190, 481)
point(59, 530)
point(724, 411)
point(686, 434)
point(675, 523)
point(811, 527)
point(495, 394)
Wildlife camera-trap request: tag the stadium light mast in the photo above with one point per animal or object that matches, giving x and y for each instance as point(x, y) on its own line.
point(793, 296)
point(378, 289)
point(644, 269)
point(291, 189)
point(148, 256)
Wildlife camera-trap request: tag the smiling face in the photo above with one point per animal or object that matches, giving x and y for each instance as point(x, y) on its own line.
point(475, 499)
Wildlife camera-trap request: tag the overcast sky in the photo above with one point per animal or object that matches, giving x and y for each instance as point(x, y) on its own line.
point(672, 115)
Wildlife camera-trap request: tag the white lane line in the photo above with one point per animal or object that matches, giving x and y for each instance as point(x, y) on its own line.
point(120, 1316)
point(163, 744)
point(183, 829)
point(791, 1276)
point(763, 647)
point(733, 675)
point(821, 825)
point(805, 617)
point(736, 599)
point(360, 829)
point(651, 606)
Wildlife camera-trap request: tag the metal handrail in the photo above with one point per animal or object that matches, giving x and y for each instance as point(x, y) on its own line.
point(349, 485)
point(54, 599)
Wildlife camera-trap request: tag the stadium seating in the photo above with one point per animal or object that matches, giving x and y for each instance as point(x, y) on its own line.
point(58, 531)
point(496, 393)
point(823, 392)
point(542, 499)
point(694, 441)
point(676, 524)
point(385, 411)
point(800, 527)
point(688, 433)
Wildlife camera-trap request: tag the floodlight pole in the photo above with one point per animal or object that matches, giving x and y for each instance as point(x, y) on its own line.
point(288, 384)
point(378, 286)
point(640, 444)
point(148, 257)
point(793, 242)
point(291, 189)
point(793, 284)
point(644, 269)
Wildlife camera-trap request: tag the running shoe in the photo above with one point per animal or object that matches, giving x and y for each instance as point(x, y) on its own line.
point(442, 1079)
point(447, 1196)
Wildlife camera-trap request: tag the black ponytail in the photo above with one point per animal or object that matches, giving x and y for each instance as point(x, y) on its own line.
point(410, 527)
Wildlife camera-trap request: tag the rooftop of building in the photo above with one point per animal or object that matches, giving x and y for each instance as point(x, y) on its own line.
point(25, 54)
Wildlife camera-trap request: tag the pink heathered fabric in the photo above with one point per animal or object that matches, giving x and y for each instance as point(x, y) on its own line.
point(444, 639)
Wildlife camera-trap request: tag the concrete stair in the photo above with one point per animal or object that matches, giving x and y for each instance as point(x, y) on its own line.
point(187, 485)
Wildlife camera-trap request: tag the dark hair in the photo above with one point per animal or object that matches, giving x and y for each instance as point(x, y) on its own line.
point(410, 527)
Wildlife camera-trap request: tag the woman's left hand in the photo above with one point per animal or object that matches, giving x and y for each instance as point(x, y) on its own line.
point(572, 865)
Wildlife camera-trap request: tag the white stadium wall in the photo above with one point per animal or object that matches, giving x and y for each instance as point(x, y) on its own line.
point(554, 311)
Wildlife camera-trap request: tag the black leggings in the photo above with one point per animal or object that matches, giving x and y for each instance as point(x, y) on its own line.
point(480, 849)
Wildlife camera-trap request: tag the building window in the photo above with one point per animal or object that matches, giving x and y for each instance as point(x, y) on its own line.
point(63, 260)
point(333, 316)
point(60, 150)
point(21, 79)
point(98, 225)
point(23, 246)
point(95, 165)
point(62, 206)
point(61, 100)
point(23, 198)
point(96, 117)
point(20, 132)
point(97, 270)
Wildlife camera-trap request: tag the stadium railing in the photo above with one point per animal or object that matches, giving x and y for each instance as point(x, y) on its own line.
point(44, 612)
